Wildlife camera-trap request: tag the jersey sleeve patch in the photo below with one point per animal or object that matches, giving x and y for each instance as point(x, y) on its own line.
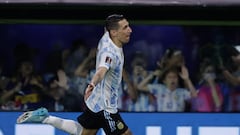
point(108, 60)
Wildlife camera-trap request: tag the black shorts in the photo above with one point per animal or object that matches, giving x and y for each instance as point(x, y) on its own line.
point(112, 124)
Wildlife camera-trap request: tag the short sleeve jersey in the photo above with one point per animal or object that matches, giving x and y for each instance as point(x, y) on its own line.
point(105, 94)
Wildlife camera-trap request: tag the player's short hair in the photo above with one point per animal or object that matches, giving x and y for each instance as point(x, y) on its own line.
point(111, 22)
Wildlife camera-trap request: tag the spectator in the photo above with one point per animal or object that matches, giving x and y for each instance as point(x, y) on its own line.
point(60, 97)
point(79, 81)
point(25, 88)
point(169, 97)
point(231, 74)
point(74, 56)
point(210, 96)
point(144, 99)
point(127, 92)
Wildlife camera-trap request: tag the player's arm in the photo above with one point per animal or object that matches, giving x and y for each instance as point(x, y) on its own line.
point(105, 63)
point(98, 76)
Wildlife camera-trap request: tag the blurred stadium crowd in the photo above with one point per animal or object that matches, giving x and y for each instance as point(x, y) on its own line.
point(149, 84)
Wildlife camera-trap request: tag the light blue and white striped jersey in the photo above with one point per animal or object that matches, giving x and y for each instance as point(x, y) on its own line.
point(105, 94)
point(167, 100)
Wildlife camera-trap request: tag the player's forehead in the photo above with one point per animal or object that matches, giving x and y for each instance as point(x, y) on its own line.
point(123, 23)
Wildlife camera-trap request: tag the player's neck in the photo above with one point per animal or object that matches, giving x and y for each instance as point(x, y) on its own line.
point(117, 43)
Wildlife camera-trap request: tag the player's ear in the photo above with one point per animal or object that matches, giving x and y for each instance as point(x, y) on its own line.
point(113, 32)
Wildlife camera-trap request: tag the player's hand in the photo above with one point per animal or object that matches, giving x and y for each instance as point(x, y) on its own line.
point(88, 91)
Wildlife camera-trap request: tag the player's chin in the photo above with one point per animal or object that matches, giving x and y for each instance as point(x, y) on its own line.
point(127, 40)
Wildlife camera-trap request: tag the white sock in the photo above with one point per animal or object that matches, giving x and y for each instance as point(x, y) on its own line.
point(69, 126)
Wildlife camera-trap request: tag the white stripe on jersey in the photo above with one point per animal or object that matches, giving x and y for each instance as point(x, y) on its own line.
point(110, 121)
point(105, 94)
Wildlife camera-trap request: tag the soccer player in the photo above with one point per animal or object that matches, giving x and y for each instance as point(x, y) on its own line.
point(102, 93)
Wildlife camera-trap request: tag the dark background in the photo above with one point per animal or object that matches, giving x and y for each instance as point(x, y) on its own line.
point(70, 12)
point(43, 26)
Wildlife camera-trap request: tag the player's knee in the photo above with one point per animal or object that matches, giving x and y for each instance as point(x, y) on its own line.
point(128, 132)
point(89, 132)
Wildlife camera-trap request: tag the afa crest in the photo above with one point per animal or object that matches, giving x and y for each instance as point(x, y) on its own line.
point(120, 125)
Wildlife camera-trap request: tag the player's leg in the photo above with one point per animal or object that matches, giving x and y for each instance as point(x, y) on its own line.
point(70, 126)
point(90, 121)
point(128, 132)
point(41, 115)
point(89, 131)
